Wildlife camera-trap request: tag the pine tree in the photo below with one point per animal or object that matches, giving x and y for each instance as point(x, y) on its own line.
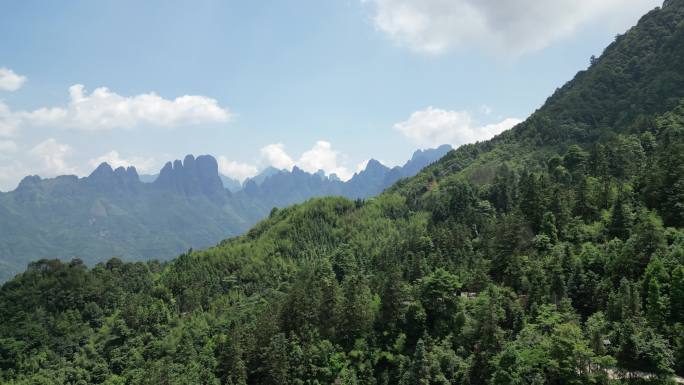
point(357, 311)
point(677, 295)
point(646, 241)
point(276, 364)
point(560, 206)
point(670, 173)
point(391, 302)
point(584, 206)
point(620, 220)
point(419, 373)
point(231, 366)
point(601, 168)
point(531, 199)
point(503, 189)
point(415, 323)
point(656, 304)
point(624, 303)
point(548, 227)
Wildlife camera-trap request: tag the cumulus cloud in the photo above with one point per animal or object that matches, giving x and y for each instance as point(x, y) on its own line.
point(50, 157)
point(275, 156)
point(103, 109)
point(10, 81)
point(434, 127)
point(321, 156)
point(512, 27)
point(236, 170)
point(114, 159)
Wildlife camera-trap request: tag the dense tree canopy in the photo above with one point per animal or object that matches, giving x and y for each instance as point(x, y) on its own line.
point(552, 254)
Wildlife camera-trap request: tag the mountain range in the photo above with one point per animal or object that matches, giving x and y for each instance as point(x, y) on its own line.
point(550, 254)
point(113, 212)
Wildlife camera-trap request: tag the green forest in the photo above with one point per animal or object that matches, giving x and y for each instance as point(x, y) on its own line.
point(551, 254)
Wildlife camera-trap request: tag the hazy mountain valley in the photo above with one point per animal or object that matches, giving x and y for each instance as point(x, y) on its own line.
point(112, 213)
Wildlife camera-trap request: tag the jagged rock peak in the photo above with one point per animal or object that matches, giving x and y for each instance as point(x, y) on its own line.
point(105, 178)
point(192, 176)
point(132, 172)
point(103, 170)
point(375, 164)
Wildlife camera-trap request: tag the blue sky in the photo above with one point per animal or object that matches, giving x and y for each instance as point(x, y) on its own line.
point(320, 84)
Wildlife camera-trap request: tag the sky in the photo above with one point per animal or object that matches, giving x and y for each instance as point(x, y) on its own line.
point(320, 84)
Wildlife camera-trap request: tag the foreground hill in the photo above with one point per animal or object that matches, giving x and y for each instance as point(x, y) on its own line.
point(551, 254)
point(113, 213)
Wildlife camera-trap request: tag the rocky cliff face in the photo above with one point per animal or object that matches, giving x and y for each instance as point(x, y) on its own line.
point(192, 176)
point(106, 180)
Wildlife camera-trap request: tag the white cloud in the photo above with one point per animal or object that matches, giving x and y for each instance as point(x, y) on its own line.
point(51, 158)
point(114, 159)
point(8, 122)
point(103, 109)
point(320, 157)
point(47, 159)
point(511, 27)
point(236, 170)
point(10, 81)
point(434, 127)
point(276, 156)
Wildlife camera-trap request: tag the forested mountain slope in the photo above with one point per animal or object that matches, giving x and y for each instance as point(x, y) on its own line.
point(551, 254)
point(113, 213)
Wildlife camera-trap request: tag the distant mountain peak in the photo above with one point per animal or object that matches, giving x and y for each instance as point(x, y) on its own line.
point(131, 171)
point(103, 170)
point(106, 179)
point(189, 160)
point(28, 182)
point(262, 176)
point(192, 176)
point(422, 158)
point(321, 174)
point(423, 152)
point(374, 164)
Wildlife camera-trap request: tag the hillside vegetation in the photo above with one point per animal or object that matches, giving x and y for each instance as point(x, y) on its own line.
point(552, 254)
point(114, 213)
